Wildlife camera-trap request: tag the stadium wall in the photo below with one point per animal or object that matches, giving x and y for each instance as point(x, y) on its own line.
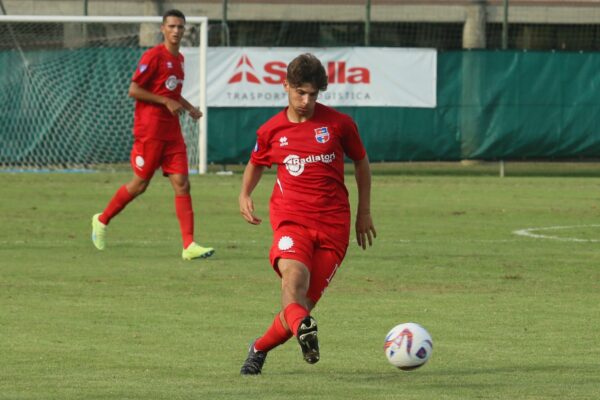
point(491, 105)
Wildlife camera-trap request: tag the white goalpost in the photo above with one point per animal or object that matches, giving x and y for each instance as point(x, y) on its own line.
point(63, 89)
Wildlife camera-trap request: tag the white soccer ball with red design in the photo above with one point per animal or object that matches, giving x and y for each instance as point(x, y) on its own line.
point(408, 346)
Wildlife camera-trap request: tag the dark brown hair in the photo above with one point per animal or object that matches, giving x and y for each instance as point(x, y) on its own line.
point(306, 68)
point(173, 13)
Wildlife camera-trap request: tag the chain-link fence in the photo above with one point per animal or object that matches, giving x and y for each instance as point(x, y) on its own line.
point(570, 25)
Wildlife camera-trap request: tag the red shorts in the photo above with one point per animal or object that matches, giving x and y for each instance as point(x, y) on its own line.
point(147, 155)
point(318, 251)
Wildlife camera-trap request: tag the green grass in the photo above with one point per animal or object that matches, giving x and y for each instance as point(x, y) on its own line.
point(512, 317)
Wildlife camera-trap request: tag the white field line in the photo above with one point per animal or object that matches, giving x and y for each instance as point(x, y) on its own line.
point(529, 232)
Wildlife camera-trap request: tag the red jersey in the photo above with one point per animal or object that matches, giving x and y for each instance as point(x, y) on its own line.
point(310, 187)
point(161, 73)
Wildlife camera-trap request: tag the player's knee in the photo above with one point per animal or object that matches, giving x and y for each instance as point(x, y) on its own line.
point(295, 284)
point(184, 188)
point(181, 186)
point(138, 187)
point(294, 287)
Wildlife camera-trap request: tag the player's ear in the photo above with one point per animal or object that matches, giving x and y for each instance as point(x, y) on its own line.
point(286, 85)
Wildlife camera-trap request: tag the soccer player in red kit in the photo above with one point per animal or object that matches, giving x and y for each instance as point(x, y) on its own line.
point(158, 142)
point(309, 207)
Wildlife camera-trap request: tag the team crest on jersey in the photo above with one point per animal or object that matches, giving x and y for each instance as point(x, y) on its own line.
point(283, 141)
point(143, 67)
point(322, 135)
point(169, 64)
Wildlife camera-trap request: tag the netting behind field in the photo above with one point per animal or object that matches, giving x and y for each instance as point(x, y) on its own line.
point(444, 25)
point(63, 93)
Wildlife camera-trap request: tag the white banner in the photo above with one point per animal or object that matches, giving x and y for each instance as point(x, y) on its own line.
point(253, 76)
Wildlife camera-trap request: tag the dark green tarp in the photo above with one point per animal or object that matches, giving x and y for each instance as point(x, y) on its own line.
point(491, 105)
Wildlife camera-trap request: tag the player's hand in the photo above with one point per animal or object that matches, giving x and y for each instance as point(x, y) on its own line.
point(365, 230)
point(174, 107)
point(195, 113)
point(247, 210)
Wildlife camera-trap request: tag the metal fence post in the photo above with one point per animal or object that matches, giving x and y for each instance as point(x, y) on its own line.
point(368, 23)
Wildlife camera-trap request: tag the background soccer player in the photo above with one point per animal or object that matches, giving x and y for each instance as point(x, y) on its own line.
point(158, 142)
point(309, 207)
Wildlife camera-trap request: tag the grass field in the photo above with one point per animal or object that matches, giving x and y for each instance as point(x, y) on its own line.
point(512, 316)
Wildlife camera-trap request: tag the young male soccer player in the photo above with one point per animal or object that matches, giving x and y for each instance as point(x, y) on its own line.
point(158, 142)
point(309, 208)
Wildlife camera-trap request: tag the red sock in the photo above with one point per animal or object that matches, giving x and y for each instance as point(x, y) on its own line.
point(273, 337)
point(121, 198)
point(294, 314)
point(185, 215)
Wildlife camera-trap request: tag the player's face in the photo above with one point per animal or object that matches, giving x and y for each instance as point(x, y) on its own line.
point(302, 99)
point(173, 29)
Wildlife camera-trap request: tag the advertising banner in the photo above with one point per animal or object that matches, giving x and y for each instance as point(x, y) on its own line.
point(253, 76)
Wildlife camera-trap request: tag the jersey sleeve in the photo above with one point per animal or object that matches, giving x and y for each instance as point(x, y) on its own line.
point(261, 153)
point(145, 70)
point(351, 142)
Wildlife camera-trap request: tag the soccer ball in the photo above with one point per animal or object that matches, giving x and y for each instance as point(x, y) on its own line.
point(408, 346)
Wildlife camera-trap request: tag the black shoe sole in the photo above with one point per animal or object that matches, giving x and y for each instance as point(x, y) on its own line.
point(309, 345)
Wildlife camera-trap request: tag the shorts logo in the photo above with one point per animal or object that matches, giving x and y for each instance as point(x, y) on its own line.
point(285, 243)
point(322, 135)
point(172, 82)
point(139, 162)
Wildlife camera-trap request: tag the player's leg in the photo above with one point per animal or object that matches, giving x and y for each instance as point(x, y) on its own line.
point(325, 264)
point(287, 240)
point(185, 215)
point(144, 161)
point(295, 280)
point(291, 254)
point(124, 195)
point(183, 207)
point(277, 334)
point(175, 166)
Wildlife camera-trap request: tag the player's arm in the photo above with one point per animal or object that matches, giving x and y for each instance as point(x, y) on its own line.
point(365, 230)
point(252, 175)
point(139, 93)
point(194, 112)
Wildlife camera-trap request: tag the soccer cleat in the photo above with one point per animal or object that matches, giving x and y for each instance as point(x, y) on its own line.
point(254, 362)
point(98, 232)
point(195, 251)
point(307, 337)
